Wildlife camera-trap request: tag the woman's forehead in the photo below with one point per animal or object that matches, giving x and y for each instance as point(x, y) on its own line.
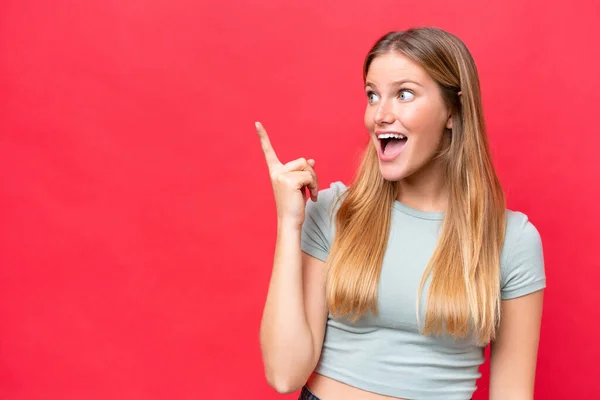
point(393, 67)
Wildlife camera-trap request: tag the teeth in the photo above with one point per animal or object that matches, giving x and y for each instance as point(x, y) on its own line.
point(391, 136)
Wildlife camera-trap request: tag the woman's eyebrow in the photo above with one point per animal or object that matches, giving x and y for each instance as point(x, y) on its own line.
point(401, 81)
point(395, 83)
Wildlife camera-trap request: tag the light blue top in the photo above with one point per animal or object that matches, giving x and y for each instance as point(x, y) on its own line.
point(387, 354)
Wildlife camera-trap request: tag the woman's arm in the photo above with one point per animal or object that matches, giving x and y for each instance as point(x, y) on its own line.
point(514, 352)
point(294, 317)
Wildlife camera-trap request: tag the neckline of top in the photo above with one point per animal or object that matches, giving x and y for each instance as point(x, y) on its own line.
point(433, 215)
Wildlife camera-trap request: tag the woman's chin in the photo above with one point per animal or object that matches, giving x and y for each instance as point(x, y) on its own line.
point(391, 173)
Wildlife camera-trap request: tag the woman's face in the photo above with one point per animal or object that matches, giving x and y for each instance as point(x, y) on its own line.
point(405, 115)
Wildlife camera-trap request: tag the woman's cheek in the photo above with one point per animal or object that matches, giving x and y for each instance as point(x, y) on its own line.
point(369, 120)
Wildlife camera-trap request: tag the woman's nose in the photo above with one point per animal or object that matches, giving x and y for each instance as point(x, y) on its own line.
point(384, 114)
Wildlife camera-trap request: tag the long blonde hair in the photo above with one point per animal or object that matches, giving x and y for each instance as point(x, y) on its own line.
point(464, 291)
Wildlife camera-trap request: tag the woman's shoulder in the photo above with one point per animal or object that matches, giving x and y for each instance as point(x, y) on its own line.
point(328, 195)
point(522, 258)
point(519, 227)
point(334, 188)
point(318, 227)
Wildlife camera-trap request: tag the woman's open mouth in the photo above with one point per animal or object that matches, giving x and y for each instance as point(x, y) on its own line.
point(390, 145)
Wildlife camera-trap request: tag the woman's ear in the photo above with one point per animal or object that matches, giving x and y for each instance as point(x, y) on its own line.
point(449, 122)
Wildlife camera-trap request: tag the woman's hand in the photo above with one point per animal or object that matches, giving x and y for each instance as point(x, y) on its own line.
point(288, 181)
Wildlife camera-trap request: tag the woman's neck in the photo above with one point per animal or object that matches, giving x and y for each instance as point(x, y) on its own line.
point(425, 190)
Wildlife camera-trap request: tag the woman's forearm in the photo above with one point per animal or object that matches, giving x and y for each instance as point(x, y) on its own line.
point(285, 335)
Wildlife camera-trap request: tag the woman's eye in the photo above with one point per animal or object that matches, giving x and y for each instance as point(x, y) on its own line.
point(406, 94)
point(372, 97)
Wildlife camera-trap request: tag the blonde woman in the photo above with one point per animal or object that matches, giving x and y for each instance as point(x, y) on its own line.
point(391, 287)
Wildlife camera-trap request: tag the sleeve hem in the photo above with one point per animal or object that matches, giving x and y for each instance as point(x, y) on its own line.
point(522, 291)
point(313, 251)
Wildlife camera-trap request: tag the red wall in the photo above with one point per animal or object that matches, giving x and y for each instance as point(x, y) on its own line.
point(137, 223)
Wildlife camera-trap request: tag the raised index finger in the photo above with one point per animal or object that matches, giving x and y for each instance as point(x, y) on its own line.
point(268, 150)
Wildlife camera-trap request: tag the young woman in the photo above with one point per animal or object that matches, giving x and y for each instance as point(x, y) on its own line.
point(393, 286)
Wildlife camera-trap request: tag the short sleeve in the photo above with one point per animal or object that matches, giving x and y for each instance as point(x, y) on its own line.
point(524, 271)
point(317, 230)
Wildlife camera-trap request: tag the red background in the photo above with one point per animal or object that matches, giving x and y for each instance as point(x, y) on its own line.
point(137, 222)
